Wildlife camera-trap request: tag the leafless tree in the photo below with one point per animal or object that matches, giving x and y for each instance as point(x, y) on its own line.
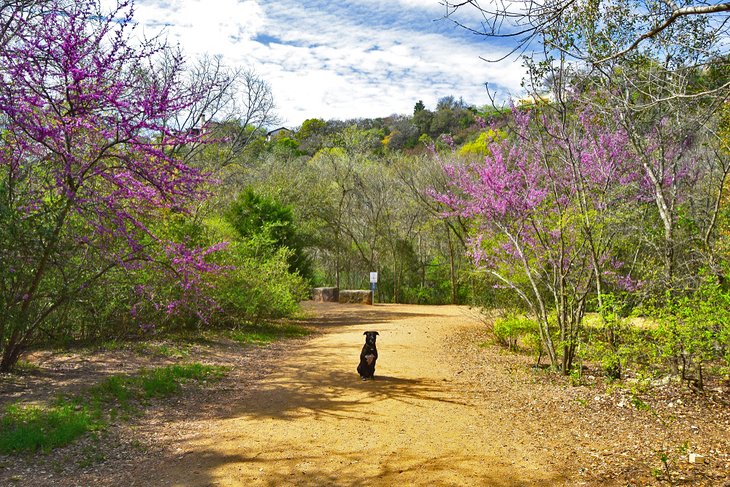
point(235, 112)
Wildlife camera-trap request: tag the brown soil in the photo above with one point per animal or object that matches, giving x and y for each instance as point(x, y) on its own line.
point(442, 410)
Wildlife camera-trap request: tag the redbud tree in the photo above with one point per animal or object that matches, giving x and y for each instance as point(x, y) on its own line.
point(545, 207)
point(84, 111)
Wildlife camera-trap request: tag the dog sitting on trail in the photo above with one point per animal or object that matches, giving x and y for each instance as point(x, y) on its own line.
point(368, 356)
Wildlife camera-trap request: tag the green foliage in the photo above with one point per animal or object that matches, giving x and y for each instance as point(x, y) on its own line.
point(165, 381)
point(258, 218)
point(478, 146)
point(508, 330)
point(638, 403)
point(422, 120)
point(607, 338)
point(311, 135)
point(260, 286)
point(285, 147)
point(157, 382)
point(117, 388)
point(694, 331)
point(31, 428)
point(310, 128)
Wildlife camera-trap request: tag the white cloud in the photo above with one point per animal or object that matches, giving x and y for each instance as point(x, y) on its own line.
point(362, 58)
point(201, 26)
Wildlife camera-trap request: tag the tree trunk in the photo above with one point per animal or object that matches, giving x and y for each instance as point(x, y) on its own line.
point(452, 269)
point(11, 352)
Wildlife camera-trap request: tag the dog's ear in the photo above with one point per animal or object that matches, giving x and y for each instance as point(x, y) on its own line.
point(376, 333)
point(365, 333)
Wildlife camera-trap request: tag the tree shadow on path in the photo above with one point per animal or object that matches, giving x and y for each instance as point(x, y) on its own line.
point(333, 314)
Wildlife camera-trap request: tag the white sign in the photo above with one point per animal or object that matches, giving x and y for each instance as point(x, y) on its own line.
point(373, 277)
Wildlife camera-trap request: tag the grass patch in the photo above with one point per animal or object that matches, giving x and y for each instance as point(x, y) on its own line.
point(166, 381)
point(264, 334)
point(144, 347)
point(32, 428)
point(25, 367)
point(115, 388)
point(165, 349)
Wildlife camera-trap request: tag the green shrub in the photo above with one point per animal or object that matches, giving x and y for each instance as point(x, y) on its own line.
point(533, 344)
point(694, 332)
point(509, 329)
point(258, 288)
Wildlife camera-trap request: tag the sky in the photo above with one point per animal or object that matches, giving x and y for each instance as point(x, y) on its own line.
point(340, 59)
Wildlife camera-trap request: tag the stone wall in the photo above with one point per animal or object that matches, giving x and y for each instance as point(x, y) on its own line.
point(326, 294)
point(356, 296)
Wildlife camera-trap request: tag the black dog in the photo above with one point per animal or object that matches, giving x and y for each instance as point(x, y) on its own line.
point(368, 356)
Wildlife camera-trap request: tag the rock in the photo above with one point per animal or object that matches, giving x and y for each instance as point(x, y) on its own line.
point(664, 381)
point(356, 296)
point(696, 458)
point(326, 294)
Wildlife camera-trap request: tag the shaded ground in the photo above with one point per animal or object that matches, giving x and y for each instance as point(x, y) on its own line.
point(441, 411)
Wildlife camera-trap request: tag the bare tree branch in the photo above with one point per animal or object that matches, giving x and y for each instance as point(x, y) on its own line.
point(526, 20)
point(677, 13)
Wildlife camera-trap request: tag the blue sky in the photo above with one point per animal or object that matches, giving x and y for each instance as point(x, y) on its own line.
point(340, 59)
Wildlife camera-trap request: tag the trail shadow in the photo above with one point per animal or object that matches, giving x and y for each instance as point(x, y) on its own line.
point(335, 393)
point(279, 466)
point(333, 314)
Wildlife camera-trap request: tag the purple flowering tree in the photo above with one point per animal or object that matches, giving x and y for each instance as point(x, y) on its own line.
point(84, 161)
point(544, 208)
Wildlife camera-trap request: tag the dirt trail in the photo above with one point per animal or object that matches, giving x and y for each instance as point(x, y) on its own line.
point(312, 421)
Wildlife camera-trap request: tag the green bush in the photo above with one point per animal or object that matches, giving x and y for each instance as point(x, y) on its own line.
point(257, 289)
point(693, 335)
point(511, 328)
point(256, 216)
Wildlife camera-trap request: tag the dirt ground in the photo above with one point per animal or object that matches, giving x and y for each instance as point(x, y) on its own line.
point(442, 411)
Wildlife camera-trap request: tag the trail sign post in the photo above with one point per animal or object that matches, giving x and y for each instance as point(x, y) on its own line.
point(373, 281)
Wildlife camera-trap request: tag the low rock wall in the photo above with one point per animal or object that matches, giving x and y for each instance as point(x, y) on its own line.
point(326, 294)
point(356, 296)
